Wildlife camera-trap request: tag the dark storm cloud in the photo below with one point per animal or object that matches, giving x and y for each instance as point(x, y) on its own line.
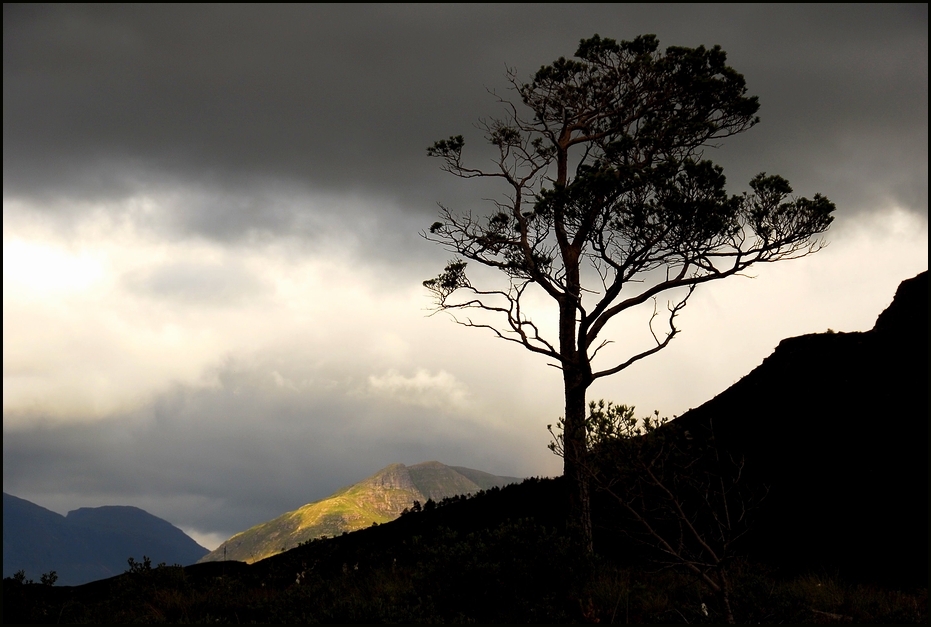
point(113, 100)
point(331, 97)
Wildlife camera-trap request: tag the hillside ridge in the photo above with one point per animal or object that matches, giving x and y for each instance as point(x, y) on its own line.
point(836, 426)
point(377, 499)
point(88, 543)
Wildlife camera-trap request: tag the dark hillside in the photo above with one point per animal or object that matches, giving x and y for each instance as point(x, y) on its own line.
point(485, 480)
point(38, 540)
point(89, 543)
point(114, 533)
point(836, 424)
point(499, 557)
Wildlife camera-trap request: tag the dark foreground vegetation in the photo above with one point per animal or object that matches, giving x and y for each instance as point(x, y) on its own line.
point(800, 494)
point(469, 560)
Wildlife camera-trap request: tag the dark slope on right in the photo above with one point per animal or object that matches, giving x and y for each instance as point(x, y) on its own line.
point(836, 424)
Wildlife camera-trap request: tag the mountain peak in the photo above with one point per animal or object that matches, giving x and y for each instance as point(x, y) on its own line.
point(377, 499)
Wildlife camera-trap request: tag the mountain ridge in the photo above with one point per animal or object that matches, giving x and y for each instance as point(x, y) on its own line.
point(88, 543)
point(377, 499)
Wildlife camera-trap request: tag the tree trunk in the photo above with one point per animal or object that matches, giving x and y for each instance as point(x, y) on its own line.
point(726, 597)
point(576, 449)
point(577, 376)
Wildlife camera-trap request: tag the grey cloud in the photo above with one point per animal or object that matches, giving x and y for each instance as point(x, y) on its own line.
point(309, 94)
point(198, 284)
point(258, 444)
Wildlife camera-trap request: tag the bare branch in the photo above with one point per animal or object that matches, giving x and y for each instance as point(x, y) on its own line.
point(660, 344)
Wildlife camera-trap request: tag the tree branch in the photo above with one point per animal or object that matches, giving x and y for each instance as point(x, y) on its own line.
point(660, 344)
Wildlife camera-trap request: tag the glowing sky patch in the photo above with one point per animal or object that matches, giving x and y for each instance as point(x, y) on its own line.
point(40, 269)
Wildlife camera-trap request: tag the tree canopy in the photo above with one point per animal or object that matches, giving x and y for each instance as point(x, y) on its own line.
point(603, 163)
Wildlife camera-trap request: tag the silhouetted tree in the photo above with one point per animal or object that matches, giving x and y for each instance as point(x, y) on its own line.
point(606, 173)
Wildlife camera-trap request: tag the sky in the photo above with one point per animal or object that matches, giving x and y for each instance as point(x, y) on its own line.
point(212, 262)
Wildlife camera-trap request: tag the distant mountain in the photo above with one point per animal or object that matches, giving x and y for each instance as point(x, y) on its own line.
point(89, 543)
point(379, 499)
